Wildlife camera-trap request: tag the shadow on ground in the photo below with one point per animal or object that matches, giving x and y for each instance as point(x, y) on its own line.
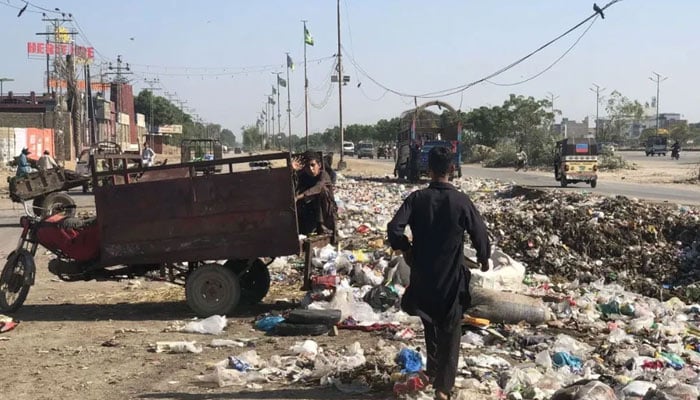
point(130, 311)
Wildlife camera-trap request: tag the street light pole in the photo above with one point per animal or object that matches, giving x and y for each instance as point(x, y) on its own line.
point(3, 80)
point(597, 91)
point(658, 80)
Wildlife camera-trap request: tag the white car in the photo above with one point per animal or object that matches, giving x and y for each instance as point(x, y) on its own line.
point(348, 149)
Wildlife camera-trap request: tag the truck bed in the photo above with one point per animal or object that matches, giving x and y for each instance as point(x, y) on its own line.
point(171, 214)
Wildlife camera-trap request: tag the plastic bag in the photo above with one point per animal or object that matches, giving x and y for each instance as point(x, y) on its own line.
point(268, 323)
point(409, 360)
point(544, 360)
point(593, 390)
point(213, 325)
point(177, 347)
point(472, 339)
point(638, 388)
point(307, 348)
point(505, 274)
point(568, 344)
point(224, 377)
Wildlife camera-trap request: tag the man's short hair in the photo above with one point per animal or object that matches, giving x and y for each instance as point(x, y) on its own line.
point(439, 160)
point(46, 152)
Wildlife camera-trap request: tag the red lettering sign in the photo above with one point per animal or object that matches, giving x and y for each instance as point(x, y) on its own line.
point(31, 48)
point(40, 48)
point(49, 48)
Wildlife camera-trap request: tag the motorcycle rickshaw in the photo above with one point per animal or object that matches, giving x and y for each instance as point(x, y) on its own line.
point(576, 160)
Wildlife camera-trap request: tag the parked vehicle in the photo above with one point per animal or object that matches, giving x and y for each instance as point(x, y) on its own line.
point(193, 150)
point(365, 150)
point(656, 145)
point(422, 129)
point(170, 221)
point(348, 149)
point(44, 189)
point(576, 160)
point(383, 152)
point(82, 167)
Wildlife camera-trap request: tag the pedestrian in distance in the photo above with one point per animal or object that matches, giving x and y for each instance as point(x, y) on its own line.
point(23, 166)
point(148, 155)
point(46, 162)
point(438, 291)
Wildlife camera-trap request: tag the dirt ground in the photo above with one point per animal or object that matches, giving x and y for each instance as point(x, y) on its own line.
point(90, 340)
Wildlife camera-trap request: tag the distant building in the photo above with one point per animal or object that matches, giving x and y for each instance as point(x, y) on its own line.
point(572, 129)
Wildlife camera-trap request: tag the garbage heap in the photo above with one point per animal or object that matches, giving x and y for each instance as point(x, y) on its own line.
point(647, 248)
point(585, 299)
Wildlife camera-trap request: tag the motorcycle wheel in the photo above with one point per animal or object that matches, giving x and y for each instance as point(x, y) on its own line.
point(13, 290)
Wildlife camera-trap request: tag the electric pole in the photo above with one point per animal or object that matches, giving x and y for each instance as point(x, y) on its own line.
point(55, 30)
point(152, 86)
point(279, 113)
point(552, 97)
point(658, 79)
point(289, 107)
point(120, 71)
point(597, 91)
point(341, 163)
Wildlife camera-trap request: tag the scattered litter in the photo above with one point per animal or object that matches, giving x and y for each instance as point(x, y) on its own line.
point(177, 347)
point(213, 325)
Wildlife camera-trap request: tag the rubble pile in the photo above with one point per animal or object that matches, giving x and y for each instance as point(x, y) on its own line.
point(647, 248)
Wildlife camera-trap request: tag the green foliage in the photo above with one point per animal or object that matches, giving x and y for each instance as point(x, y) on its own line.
point(164, 112)
point(680, 133)
point(228, 138)
point(252, 137)
point(621, 113)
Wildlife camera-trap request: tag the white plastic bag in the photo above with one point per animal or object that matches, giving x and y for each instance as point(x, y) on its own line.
point(307, 348)
point(224, 377)
point(505, 274)
point(177, 347)
point(213, 325)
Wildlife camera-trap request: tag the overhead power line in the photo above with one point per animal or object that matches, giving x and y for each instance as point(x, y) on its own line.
point(463, 87)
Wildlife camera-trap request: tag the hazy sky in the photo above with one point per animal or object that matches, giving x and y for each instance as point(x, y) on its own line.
point(411, 46)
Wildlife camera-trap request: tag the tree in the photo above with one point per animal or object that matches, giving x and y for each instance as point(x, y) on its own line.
point(252, 137)
point(228, 138)
point(164, 111)
point(387, 130)
point(680, 133)
point(622, 113)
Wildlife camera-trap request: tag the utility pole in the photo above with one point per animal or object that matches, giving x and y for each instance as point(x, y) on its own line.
point(279, 113)
point(152, 86)
point(658, 79)
point(119, 80)
point(289, 109)
point(3, 80)
point(54, 31)
point(597, 91)
point(341, 163)
point(551, 100)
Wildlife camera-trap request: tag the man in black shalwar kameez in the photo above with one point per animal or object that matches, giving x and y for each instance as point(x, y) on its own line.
point(439, 285)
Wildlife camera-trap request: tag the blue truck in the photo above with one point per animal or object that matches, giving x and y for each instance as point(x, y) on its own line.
point(421, 130)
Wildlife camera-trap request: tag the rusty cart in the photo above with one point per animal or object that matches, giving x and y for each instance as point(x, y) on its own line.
point(216, 234)
point(45, 189)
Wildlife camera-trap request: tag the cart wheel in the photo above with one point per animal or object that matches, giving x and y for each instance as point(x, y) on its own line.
point(54, 203)
point(13, 289)
point(212, 290)
point(255, 283)
point(594, 182)
point(563, 182)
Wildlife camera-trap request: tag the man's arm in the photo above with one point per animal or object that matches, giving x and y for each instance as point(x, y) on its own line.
point(478, 234)
point(324, 181)
point(397, 226)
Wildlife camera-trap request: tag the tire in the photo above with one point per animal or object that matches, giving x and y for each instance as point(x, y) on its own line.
point(255, 283)
point(12, 283)
point(314, 317)
point(212, 290)
point(55, 200)
point(563, 182)
point(289, 329)
point(77, 223)
point(594, 183)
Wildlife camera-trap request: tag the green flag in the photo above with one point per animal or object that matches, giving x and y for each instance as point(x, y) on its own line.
point(281, 82)
point(308, 39)
point(290, 63)
point(274, 91)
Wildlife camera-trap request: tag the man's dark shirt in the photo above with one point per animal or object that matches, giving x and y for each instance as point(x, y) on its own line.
point(438, 217)
point(310, 185)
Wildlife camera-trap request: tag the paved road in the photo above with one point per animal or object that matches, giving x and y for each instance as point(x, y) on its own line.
point(673, 193)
